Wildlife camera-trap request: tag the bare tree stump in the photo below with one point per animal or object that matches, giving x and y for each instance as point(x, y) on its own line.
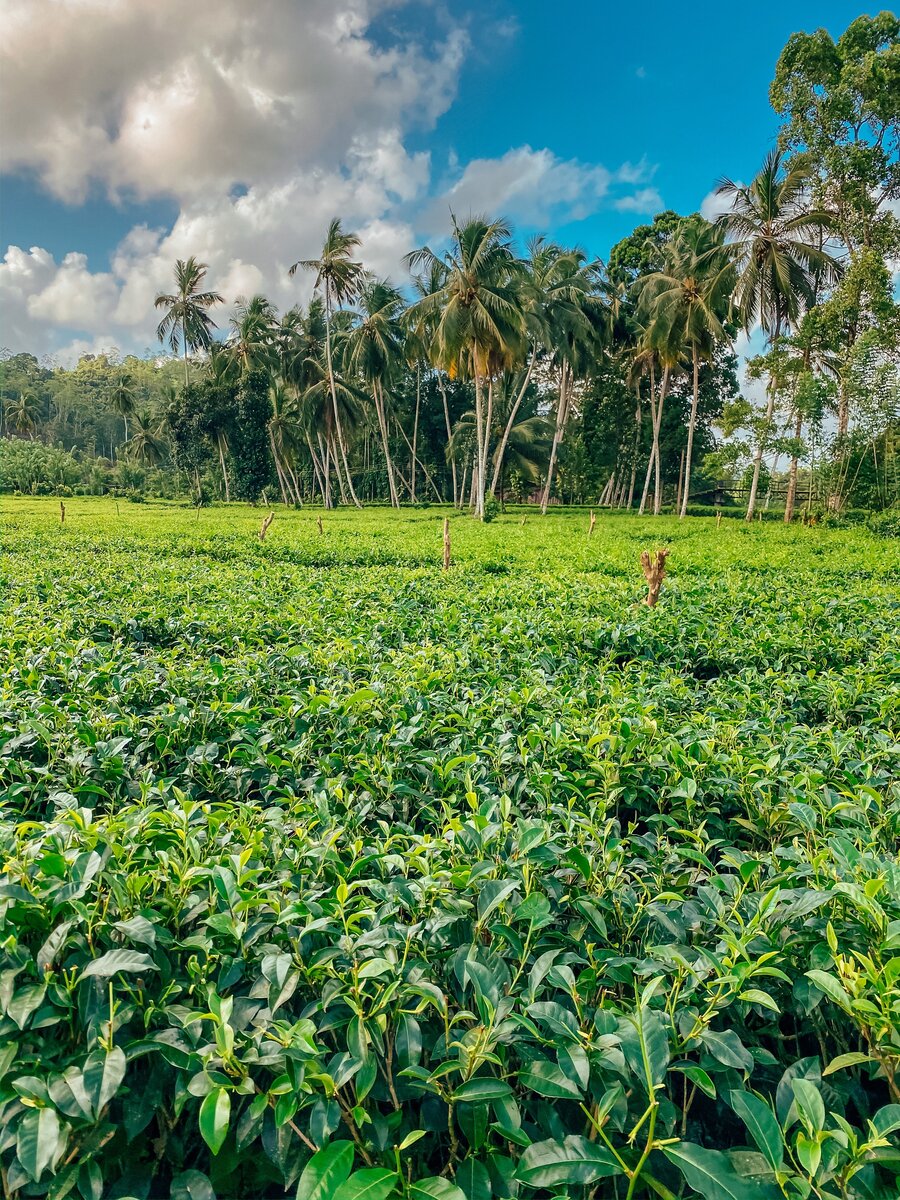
point(62, 513)
point(592, 524)
point(447, 559)
point(264, 528)
point(319, 522)
point(654, 572)
point(718, 518)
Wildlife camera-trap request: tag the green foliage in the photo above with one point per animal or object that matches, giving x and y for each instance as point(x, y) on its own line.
point(252, 459)
point(491, 507)
point(885, 524)
point(36, 469)
point(329, 872)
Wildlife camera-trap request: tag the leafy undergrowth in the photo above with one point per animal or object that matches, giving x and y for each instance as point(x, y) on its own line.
point(329, 874)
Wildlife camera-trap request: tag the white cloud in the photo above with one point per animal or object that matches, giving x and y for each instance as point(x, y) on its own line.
point(262, 121)
point(159, 96)
point(645, 200)
point(713, 205)
point(524, 184)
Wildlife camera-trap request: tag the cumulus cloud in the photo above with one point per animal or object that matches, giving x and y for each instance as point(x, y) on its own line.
point(158, 96)
point(645, 200)
point(713, 205)
point(536, 187)
point(262, 121)
point(525, 184)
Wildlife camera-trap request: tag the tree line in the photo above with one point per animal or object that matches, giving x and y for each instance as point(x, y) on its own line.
point(539, 373)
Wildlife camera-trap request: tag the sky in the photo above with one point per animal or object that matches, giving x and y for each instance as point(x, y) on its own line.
point(136, 132)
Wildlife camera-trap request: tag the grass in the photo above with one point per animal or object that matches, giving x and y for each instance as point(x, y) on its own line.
point(397, 855)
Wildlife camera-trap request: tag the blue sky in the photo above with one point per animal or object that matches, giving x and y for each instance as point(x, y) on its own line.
point(127, 147)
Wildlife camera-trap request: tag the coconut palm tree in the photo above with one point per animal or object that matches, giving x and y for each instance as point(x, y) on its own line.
point(776, 240)
point(685, 303)
point(426, 284)
point(477, 316)
point(22, 414)
point(573, 315)
point(146, 445)
point(285, 438)
point(187, 324)
point(253, 333)
point(123, 400)
point(373, 350)
point(338, 277)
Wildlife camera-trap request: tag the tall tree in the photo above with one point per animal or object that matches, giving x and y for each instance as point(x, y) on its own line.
point(777, 243)
point(571, 315)
point(686, 301)
point(187, 325)
point(373, 350)
point(479, 324)
point(423, 329)
point(253, 334)
point(338, 277)
point(123, 399)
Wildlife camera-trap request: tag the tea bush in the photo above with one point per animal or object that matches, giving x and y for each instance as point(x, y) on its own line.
point(327, 873)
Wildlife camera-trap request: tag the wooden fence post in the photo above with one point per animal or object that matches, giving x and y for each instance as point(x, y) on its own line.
point(264, 528)
point(654, 573)
point(592, 524)
point(62, 513)
point(446, 544)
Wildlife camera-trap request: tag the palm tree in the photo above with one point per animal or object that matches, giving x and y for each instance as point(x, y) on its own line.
point(776, 240)
point(685, 304)
point(146, 444)
point(571, 317)
point(477, 318)
point(253, 333)
point(426, 284)
point(339, 277)
point(187, 324)
point(123, 400)
point(285, 438)
point(373, 350)
point(22, 414)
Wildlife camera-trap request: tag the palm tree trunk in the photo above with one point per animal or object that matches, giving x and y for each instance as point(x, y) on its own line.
point(656, 411)
point(513, 412)
point(764, 435)
point(692, 423)
point(652, 458)
point(334, 404)
point(757, 457)
point(792, 475)
point(184, 350)
point(325, 452)
point(382, 426)
point(415, 437)
point(220, 438)
point(557, 435)
point(317, 472)
point(489, 416)
point(478, 477)
point(657, 491)
point(443, 392)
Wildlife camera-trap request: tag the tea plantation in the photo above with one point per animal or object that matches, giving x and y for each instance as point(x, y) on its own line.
point(327, 873)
